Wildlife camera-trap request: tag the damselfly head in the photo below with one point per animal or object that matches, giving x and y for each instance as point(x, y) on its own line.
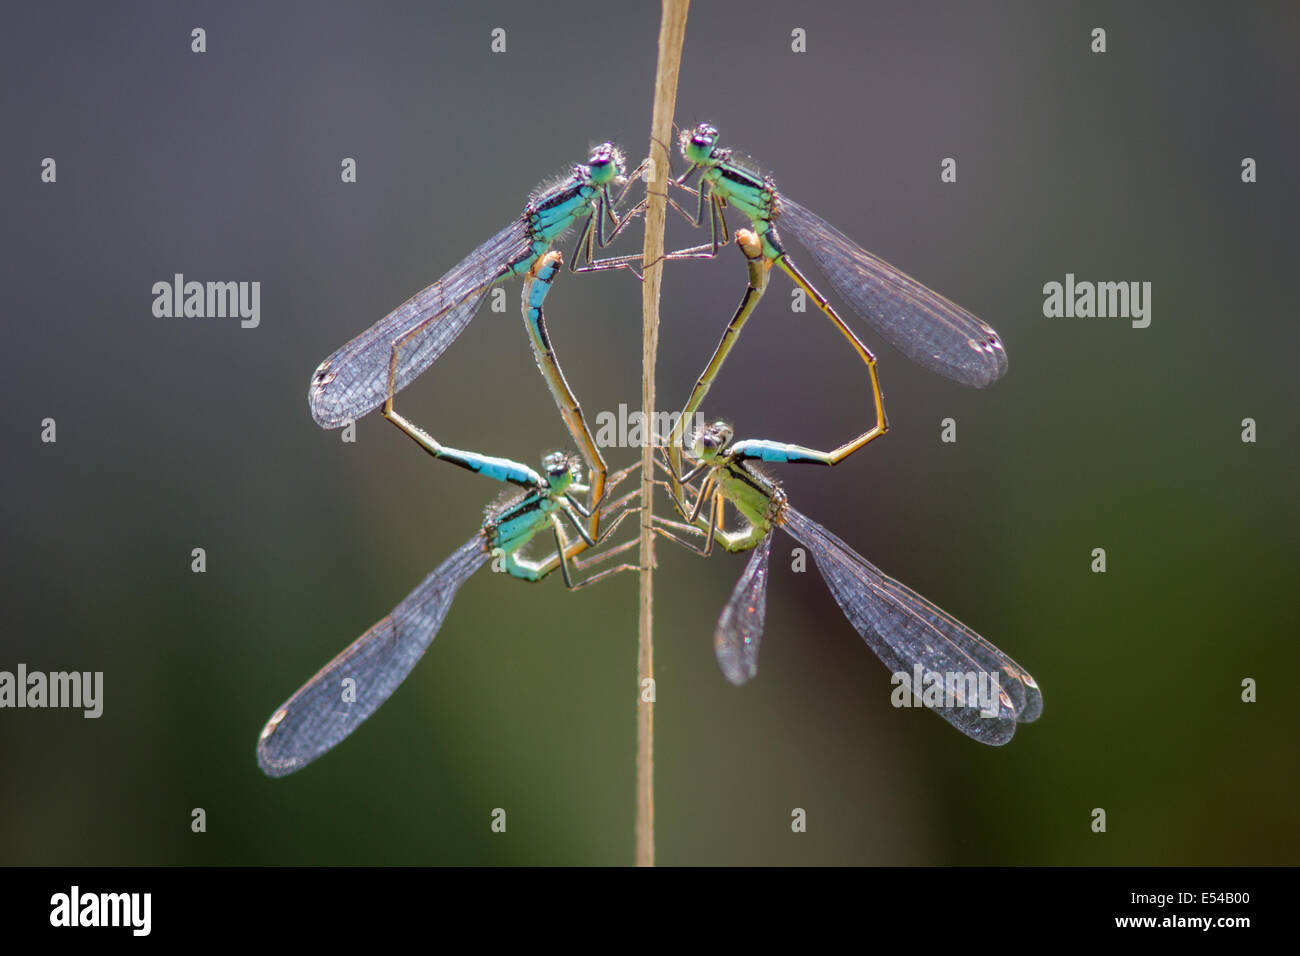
point(606, 164)
point(555, 467)
point(559, 470)
point(712, 440)
point(697, 144)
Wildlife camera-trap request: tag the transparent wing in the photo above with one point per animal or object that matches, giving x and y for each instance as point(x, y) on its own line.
point(740, 626)
point(318, 717)
point(920, 323)
point(354, 380)
point(905, 630)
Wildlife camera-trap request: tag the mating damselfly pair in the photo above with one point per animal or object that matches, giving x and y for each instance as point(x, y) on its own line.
point(908, 633)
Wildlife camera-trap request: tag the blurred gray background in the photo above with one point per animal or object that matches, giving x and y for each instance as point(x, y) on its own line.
point(183, 433)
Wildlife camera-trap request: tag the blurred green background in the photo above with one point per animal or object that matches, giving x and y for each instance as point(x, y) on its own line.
point(175, 434)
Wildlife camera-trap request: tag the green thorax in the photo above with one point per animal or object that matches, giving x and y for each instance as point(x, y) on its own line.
point(759, 499)
point(514, 526)
point(558, 208)
point(752, 195)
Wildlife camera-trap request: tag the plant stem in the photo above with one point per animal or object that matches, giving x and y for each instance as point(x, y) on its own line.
point(672, 31)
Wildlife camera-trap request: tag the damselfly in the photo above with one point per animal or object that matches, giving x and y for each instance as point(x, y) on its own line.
point(984, 692)
point(920, 323)
point(354, 684)
point(384, 359)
